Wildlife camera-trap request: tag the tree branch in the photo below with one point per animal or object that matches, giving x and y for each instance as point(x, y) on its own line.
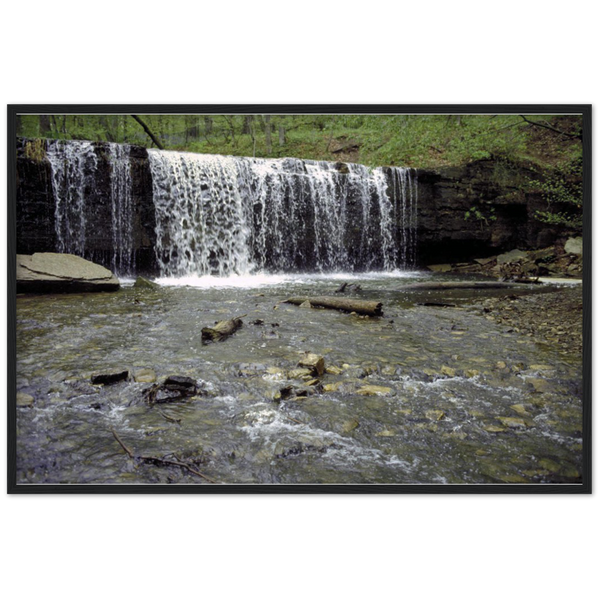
point(147, 130)
point(547, 126)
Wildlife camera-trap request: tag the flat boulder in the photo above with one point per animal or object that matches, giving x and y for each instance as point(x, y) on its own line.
point(512, 256)
point(49, 272)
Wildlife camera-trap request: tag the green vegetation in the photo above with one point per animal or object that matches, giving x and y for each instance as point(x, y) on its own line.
point(398, 140)
point(562, 190)
point(476, 214)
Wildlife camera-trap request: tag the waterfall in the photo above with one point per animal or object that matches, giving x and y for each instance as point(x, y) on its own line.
point(405, 192)
point(73, 166)
point(80, 195)
point(221, 215)
point(121, 194)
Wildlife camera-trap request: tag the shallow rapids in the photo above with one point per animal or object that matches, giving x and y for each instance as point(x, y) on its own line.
point(425, 394)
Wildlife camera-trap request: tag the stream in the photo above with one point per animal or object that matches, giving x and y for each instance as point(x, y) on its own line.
point(422, 395)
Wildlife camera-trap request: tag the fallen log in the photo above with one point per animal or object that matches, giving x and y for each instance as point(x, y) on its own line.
point(361, 307)
point(221, 330)
point(459, 285)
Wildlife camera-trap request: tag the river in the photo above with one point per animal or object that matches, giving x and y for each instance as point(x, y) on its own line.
point(422, 395)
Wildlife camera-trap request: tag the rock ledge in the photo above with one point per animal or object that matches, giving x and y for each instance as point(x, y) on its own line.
point(49, 272)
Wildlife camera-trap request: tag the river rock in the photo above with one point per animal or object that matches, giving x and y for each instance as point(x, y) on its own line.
point(512, 422)
point(314, 362)
point(173, 389)
point(109, 378)
point(145, 376)
point(512, 256)
point(374, 390)
point(24, 399)
point(574, 246)
point(49, 272)
point(448, 371)
point(145, 284)
point(435, 415)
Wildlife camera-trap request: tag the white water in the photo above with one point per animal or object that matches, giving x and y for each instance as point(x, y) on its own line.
point(73, 166)
point(262, 279)
point(224, 215)
point(121, 193)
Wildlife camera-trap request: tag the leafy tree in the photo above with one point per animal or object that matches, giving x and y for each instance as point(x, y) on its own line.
point(563, 192)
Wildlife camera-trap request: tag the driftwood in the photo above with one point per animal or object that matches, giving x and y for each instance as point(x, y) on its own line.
point(362, 307)
point(458, 285)
point(157, 460)
point(353, 287)
point(221, 330)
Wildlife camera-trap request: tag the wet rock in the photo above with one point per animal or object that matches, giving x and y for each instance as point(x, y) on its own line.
point(349, 426)
point(173, 389)
point(574, 246)
point(520, 410)
point(541, 368)
point(512, 256)
point(49, 272)
point(24, 399)
point(444, 268)
point(333, 370)
point(386, 433)
point(513, 422)
point(299, 373)
point(109, 378)
point(314, 362)
point(500, 365)
point(470, 373)
point(306, 304)
point(373, 390)
point(448, 371)
point(540, 385)
point(435, 415)
point(145, 284)
point(333, 387)
point(145, 376)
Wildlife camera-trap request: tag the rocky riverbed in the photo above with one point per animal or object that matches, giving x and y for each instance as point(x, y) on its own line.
point(554, 318)
point(449, 386)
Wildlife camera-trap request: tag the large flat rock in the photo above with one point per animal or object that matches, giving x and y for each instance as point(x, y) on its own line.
point(49, 272)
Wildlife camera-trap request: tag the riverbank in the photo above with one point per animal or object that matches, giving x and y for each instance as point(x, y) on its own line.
point(554, 318)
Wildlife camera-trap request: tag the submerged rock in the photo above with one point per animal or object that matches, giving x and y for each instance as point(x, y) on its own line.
point(174, 388)
point(49, 272)
point(109, 378)
point(145, 376)
point(374, 390)
point(145, 284)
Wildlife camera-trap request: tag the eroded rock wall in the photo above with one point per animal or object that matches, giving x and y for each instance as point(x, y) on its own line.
point(502, 212)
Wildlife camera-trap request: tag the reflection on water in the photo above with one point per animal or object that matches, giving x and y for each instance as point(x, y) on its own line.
point(423, 395)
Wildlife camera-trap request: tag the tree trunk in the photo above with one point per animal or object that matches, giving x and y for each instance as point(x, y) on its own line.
point(362, 307)
point(281, 135)
point(44, 125)
point(208, 125)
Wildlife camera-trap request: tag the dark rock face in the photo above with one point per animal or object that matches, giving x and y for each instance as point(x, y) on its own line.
point(35, 204)
point(506, 212)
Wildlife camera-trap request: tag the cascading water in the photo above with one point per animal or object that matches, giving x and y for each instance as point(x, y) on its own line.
point(78, 192)
point(121, 193)
point(73, 167)
point(220, 215)
point(224, 215)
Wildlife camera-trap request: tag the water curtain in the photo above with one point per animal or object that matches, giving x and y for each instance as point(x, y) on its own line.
point(222, 215)
point(78, 189)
